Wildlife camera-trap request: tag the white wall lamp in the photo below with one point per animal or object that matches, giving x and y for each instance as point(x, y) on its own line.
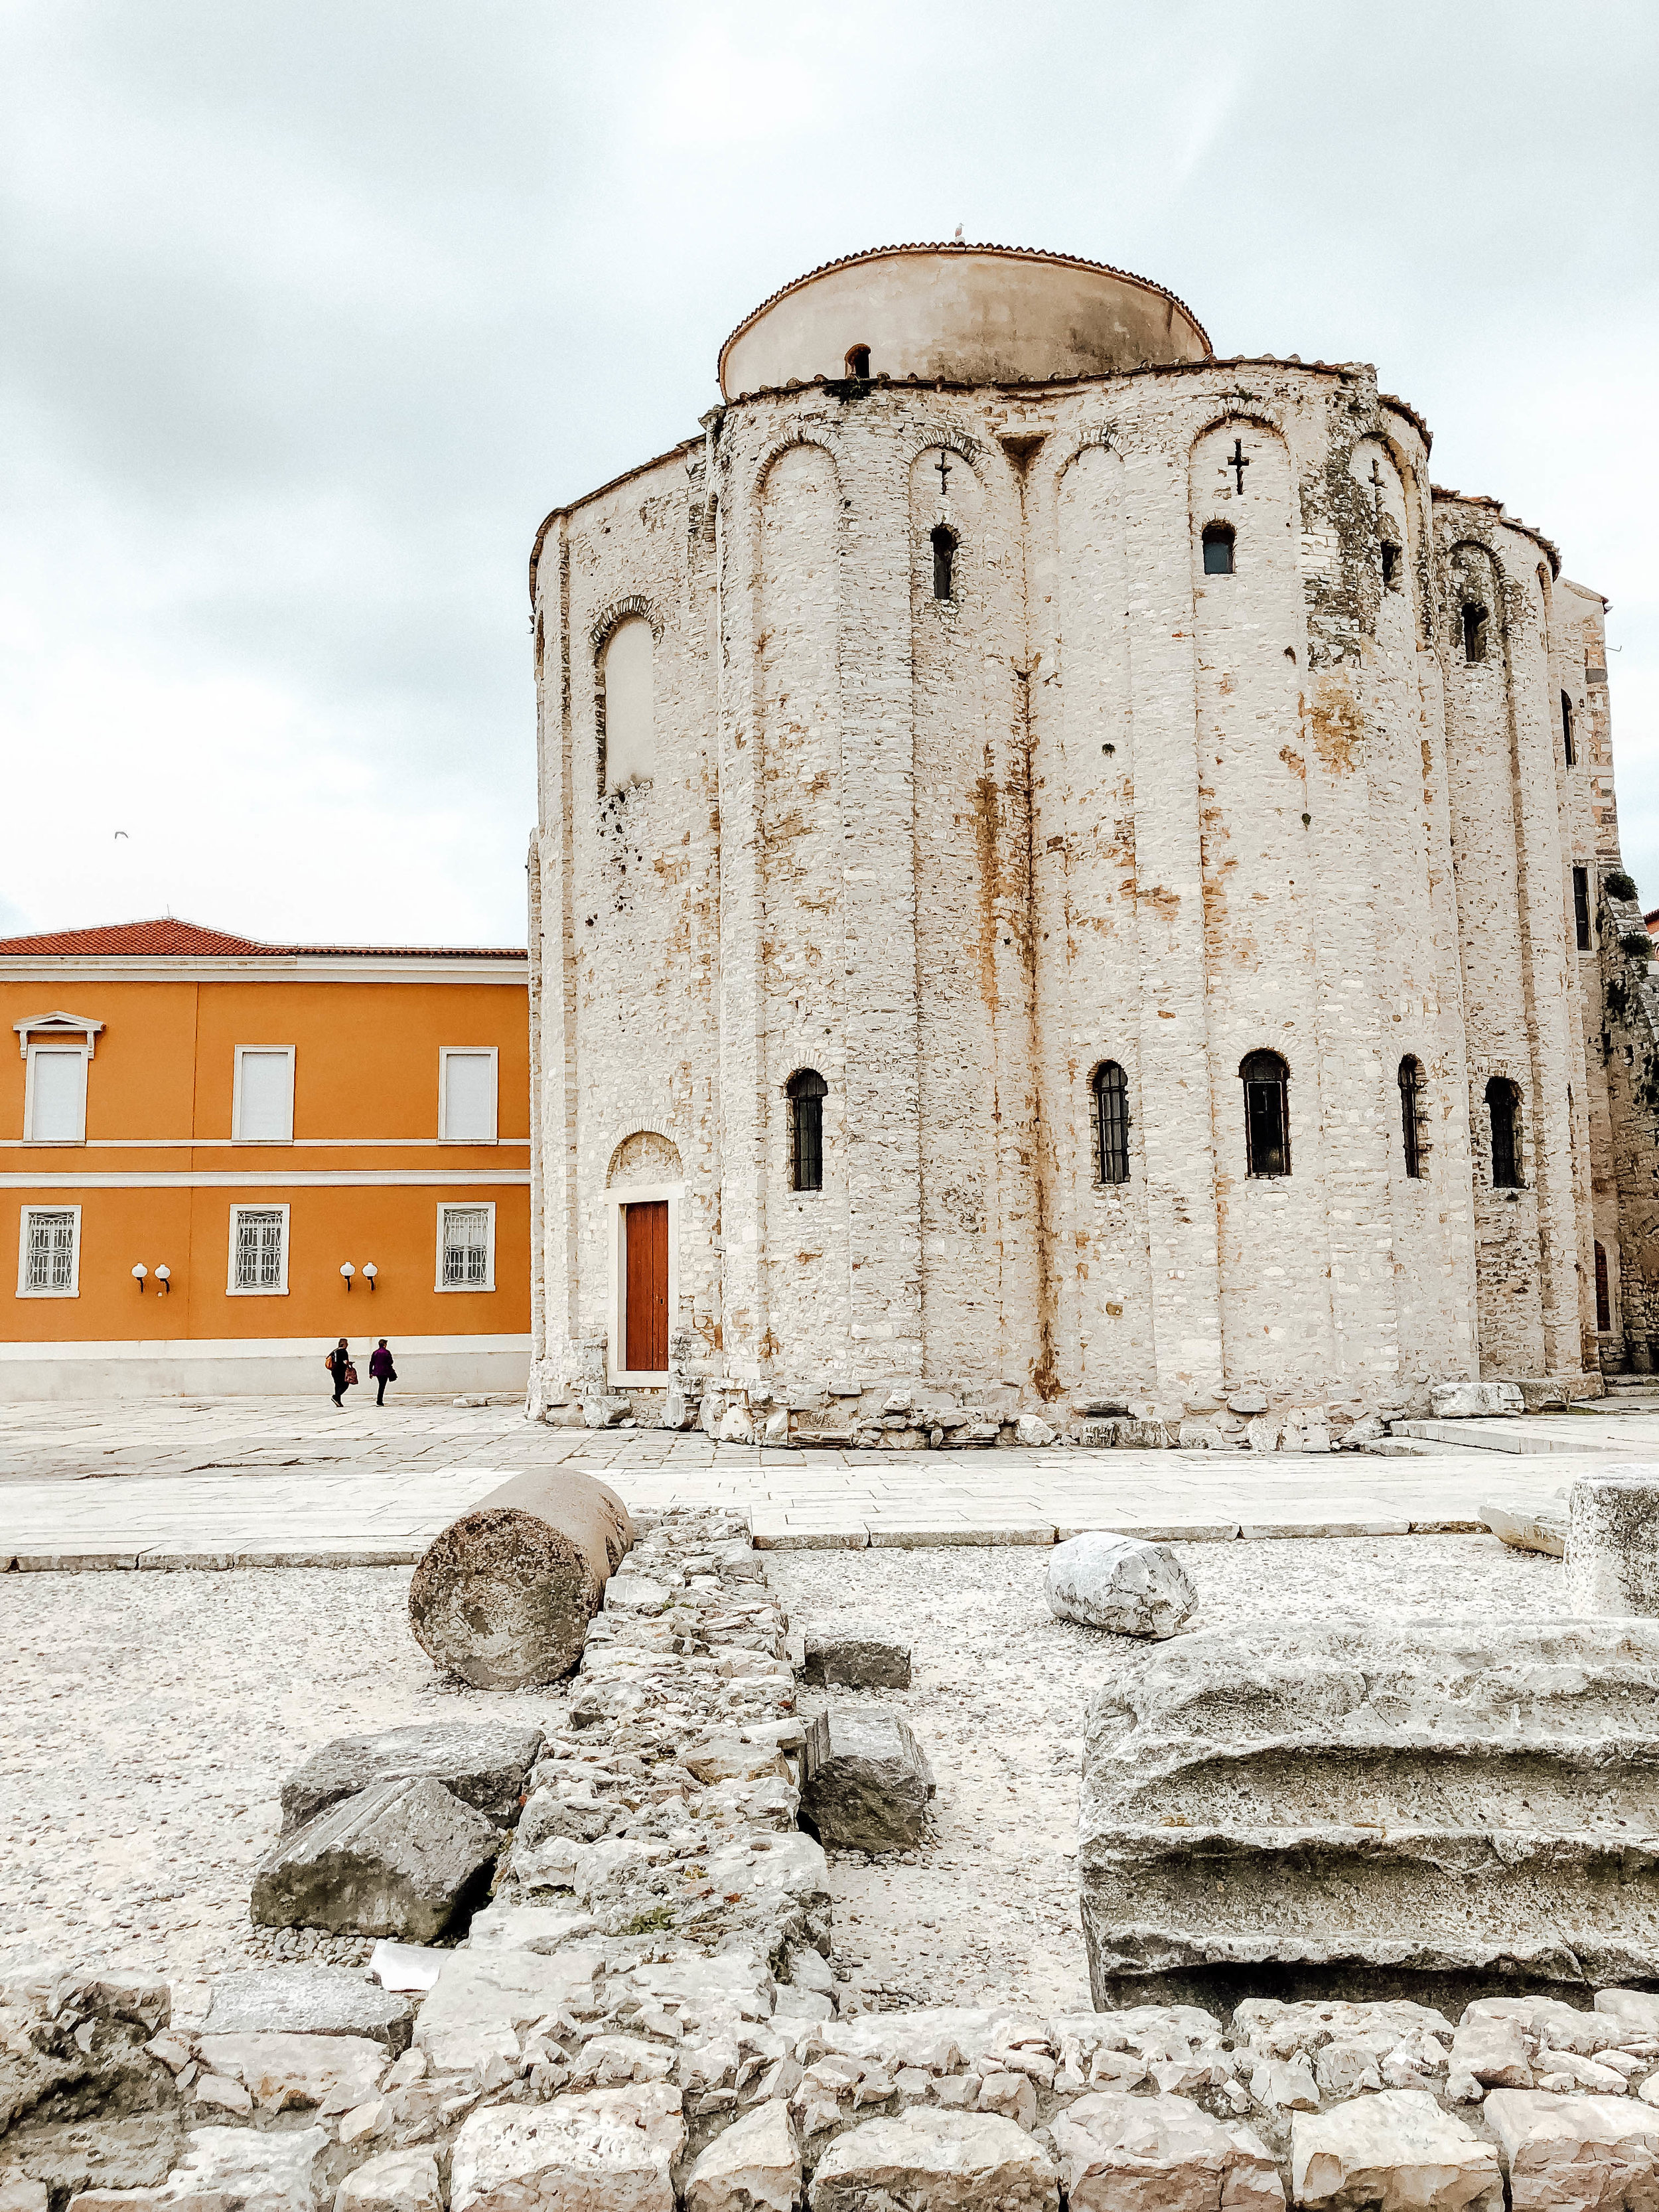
point(163, 1278)
point(139, 1276)
point(370, 1271)
point(347, 1271)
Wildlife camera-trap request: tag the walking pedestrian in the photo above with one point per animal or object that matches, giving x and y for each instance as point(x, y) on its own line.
point(380, 1367)
point(338, 1363)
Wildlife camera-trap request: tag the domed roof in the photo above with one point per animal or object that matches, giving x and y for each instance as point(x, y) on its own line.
point(975, 314)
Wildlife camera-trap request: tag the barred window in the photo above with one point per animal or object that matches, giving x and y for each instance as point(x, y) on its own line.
point(1267, 1114)
point(1412, 1092)
point(466, 1248)
point(1110, 1090)
point(258, 1234)
point(49, 1248)
point(1504, 1105)
point(806, 1090)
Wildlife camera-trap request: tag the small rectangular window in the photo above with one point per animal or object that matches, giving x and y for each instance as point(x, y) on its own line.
point(259, 1251)
point(56, 1086)
point(1391, 568)
point(263, 1102)
point(466, 1248)
point(1581, 912)
point(49, 1252)
point(466, 1095)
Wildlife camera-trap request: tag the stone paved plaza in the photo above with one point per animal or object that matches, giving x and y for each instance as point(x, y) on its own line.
point(287, 1481)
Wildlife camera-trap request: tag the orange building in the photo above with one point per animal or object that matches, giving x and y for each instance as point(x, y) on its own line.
point(217, 1157)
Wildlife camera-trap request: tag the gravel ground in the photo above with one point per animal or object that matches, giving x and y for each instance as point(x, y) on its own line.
point(999, 1696)
point(151, 1718)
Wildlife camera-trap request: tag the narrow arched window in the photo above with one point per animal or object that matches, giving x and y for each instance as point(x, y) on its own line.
point(858, 361)
point(1110, 1113)
point(1504, 1106)
point(1390, 567)
point(1567, 745)
point(945, 562)
point(1474, 632)
point(1412, 1092)
point(1267, 1114)
point(806, 1090)
point(1217, 549)
point(1604, 1298)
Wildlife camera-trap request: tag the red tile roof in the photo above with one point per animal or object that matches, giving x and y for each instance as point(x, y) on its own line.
point(168, 936)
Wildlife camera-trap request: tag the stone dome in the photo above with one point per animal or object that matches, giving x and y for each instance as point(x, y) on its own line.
point(972, 314)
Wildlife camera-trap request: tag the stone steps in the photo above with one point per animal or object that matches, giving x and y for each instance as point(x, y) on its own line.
point(1437, 1800)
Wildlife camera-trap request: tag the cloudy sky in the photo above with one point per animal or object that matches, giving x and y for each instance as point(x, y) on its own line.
point(310, 311)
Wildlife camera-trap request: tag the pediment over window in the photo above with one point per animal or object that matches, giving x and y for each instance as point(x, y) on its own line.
point(61, 1026)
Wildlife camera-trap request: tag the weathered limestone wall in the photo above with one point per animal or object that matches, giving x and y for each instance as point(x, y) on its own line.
point(1096, 805)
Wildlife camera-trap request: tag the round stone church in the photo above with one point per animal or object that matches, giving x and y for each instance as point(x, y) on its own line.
point(1069, 876)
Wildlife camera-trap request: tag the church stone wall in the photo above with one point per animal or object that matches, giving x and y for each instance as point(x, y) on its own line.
point(952, 854)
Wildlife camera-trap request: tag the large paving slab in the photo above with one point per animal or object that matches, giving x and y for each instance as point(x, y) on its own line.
point(278, 1482)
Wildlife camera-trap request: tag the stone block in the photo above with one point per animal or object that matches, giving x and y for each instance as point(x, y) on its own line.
point(484, 1763)
point(306, 2000)
point(1398, 2151)
point(868, 1786)
point(395, 2181)
point(753, 2167)
point(1575, 2153)
point(613, 2149)
point(929, 2161)
point(1612, 1542)
point(1467, 1402)
point(251, 2172)
point(856, 1663)
point(1121, 1583)
point(1126, 2154)
point(284, 2073)
point(481, 2001)
point(1528, 1529)
point(1413, 1798)
point(398, 1859)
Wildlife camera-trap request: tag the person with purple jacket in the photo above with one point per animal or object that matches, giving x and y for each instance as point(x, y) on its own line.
point(381, 1370)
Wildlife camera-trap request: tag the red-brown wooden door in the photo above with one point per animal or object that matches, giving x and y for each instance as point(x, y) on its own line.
point(646, 1230)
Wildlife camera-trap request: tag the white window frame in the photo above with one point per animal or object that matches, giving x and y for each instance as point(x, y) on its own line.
point(24, 1288)
point(57, 1044)
point(492, 1053)
point(486, 1206)
point(236, 1136)
point(638, 1193)
point(233, 1288)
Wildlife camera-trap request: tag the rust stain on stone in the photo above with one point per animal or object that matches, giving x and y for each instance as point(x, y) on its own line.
point(1337, 725)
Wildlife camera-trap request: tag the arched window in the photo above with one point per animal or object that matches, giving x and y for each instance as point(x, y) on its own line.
point(1412, 1092)
point(626, 746)
point(1110, 1113)
point(1567, 745)
point(1267, 1114)
point(1474, 632)
point(858, 361)
point(945, 562)
point(1504, 1105)
point(1217, 549)
point(806, 1090)
point(1390, 567)
point(1603, 1299)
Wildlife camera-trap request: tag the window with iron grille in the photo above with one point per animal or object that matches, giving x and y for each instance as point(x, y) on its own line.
point(49, 1248)
point(1267, 1114)
point(466, 1248)
point(1504, 1105)
point(807, 1091)
point(259, 1233)
point(1110, 1092)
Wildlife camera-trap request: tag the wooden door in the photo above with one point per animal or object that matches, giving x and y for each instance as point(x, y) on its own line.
point(646, 1231)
